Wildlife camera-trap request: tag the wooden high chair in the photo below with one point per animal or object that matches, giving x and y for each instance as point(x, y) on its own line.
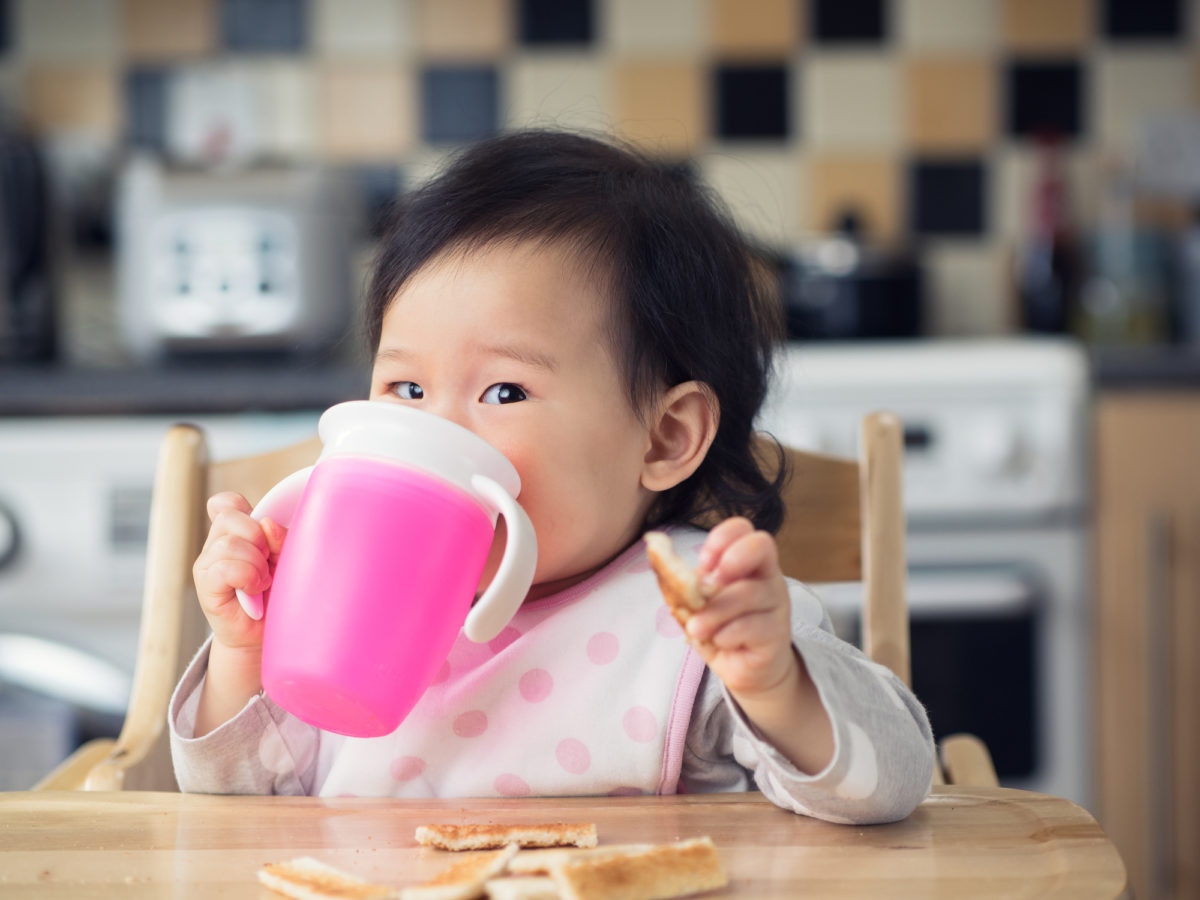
point(845, 522)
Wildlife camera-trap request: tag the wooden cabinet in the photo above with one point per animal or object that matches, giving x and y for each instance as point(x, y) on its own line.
point(1147, 636)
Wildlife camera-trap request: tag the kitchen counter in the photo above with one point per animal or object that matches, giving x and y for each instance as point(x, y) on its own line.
point(1144, 368)
point(286, 384)
point(180, 388)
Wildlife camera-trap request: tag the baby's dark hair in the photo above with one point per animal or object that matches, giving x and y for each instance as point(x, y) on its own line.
point(690, 300)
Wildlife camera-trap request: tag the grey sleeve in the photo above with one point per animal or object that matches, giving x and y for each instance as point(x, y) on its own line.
point(261, 750)
point(883, 753)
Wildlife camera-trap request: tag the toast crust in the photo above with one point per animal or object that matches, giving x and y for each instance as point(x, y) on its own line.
point(680, 585)
point(488, 836)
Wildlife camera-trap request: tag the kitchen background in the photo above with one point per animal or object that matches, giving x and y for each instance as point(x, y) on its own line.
point(996, 200)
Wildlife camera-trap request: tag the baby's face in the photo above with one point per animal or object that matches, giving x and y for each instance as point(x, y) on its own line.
point(510, 343)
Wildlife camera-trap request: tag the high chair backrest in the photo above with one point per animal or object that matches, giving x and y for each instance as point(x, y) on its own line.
point(845, 522)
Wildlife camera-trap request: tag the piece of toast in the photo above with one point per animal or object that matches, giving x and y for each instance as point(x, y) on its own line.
point(488, 836)
point(662, 872)
point(522, 887)
point(465, 879)
point(680, 585)
point(305, 878)
point(545, 861)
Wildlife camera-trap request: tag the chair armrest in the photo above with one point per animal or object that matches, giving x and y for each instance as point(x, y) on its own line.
point(72, 773)
point(966, 760)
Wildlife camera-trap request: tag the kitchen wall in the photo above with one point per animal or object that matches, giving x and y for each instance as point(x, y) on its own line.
point(919, 114)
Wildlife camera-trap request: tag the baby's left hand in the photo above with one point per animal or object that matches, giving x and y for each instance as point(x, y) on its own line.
point(744, 632)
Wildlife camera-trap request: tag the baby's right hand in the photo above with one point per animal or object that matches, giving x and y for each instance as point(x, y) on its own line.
point(239, 554)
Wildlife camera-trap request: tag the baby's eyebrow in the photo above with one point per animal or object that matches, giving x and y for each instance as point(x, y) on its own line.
point(527, 355)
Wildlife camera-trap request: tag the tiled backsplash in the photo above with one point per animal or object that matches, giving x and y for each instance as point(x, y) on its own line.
point(918, 113)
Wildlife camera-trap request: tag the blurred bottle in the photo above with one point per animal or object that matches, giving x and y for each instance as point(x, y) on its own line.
point(1048, 269)
point(1125, 296)
point(1189, 266)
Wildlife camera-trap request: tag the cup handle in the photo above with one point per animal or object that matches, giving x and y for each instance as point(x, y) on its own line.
point(515, 574)
point(279, 503)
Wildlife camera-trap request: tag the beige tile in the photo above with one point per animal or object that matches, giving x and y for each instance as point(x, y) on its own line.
point(762, 189)
point(464, 29)
point(661, 105)
point(287, 91)
point(867, 184)
point(559, 90)
point(675, 27)
point(1055, 26)
point(851, 101)
point(155, 31)
point(73, 98)
point(367, 112)
point(1132, 85)
point(968, 288)
point(750, 28)
point(69, 31)
point(358, 29)
point(952, 103)
point(946, 24)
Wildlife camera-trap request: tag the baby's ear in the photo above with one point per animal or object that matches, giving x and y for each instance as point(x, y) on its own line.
point(681, 432)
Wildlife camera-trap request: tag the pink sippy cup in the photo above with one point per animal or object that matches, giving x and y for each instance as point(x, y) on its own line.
point(388, 535)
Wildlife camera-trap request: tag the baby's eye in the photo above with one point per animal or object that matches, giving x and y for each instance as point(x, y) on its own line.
point(408, 390)
point(505, 392)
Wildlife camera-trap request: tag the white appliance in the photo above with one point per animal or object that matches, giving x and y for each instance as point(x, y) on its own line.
point(234, 260)
point(995, 482)
point(74, 501)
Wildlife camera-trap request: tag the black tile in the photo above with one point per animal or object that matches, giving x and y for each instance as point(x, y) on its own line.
point(379, 187)
point(752, 101)
point(459, 103)
point(146, 108)
point(1046, 97)
point(264, 26)
point(849, 21)
point(556, 21)
point(948, 197)
point(5, 27)
point(1141, 19)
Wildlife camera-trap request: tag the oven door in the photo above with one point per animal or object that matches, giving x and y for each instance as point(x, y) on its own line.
point(974, 645)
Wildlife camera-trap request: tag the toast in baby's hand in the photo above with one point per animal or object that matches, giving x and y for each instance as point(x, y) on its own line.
point(679, 583)
point(484, 837)
point(306, 878)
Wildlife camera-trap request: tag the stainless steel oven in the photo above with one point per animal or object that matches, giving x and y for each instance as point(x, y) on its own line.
point(995, 489)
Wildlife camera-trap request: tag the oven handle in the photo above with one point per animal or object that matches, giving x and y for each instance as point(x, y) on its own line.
point(1160, 534)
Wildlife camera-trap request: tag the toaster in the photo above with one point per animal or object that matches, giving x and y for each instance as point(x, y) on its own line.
point(227, 261)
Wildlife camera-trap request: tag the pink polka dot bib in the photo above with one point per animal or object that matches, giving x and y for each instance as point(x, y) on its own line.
point(587, 692)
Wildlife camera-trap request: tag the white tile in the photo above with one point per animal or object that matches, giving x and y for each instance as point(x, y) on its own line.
point(660, 25)
point(850, 101)
point(762, 189)
point(947, 24)
point(1132, 85)
point(558, 90)
point(67, 30)
point(364, 28)
point(967, 289)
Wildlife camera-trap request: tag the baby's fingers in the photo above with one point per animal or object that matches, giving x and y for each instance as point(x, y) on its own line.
point(720, 539)
point(752, 556)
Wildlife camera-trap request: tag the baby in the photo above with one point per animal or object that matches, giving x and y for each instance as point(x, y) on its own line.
point(596, 317)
